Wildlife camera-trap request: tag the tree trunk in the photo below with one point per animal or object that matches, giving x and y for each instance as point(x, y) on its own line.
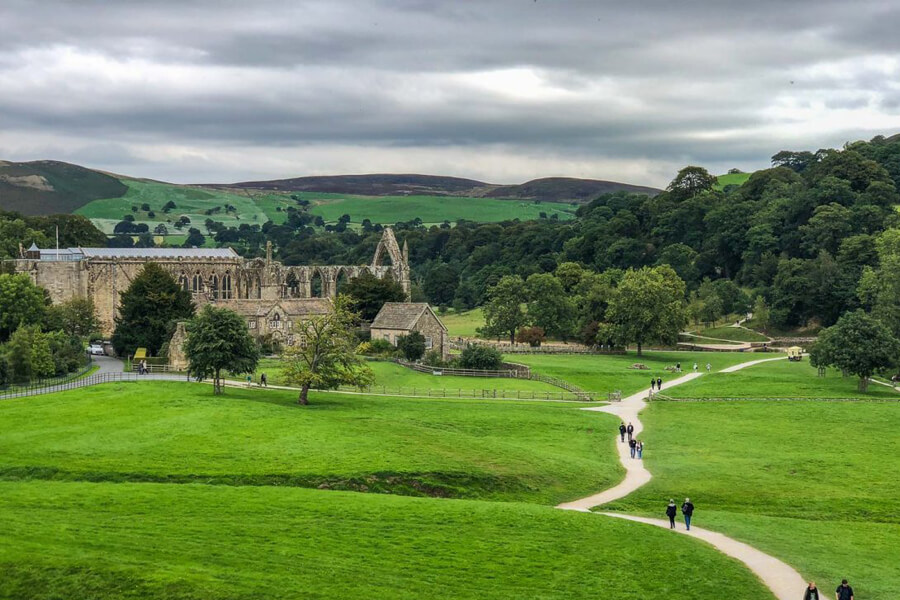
point(639, 349)
point(217, 383)
point(863, 384)
point(304, 395)
point(512, 337)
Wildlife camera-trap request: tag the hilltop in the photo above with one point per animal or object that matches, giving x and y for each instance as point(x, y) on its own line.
point(550, 189)
point(46, 187)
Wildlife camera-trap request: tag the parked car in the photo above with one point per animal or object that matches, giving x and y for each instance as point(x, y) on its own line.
point(96, 349)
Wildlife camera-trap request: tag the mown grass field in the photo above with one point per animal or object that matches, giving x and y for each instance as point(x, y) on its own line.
point(734, 334)
point(393, 375)
point(180, 432)
point(189, 201)
point(606, 373)
point(463, 324)
point(812, 482)
point(778, 379)
point(731, 179)
point(431, 209)
point(155, 541)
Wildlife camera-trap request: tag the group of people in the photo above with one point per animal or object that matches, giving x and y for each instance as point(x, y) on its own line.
point(843, 591)
point(687, 509)
point(635, 445)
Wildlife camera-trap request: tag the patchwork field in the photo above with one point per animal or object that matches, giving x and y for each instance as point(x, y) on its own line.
point(68, 540)
point(814, 483)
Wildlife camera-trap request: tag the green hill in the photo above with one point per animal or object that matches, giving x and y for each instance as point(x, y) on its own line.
point(46, 187)
point(732, 179)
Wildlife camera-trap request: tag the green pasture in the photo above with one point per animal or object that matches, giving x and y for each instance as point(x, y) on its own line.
point(812, 482)
point(734, 334)
point(463, 324)
point(191, 202)
point(778, 379)
point(606, 373)
point(388, 210)
point(723, 181)
point(392, 375)
point(185, 542)
point(180, 432)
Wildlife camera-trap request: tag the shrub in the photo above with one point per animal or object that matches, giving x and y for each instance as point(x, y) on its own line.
point(381, 348)
point(433, 358)
point(268, 345)
point(480, 357)
point(412, 346)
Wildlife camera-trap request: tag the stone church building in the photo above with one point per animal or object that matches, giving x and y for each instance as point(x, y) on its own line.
point(269, 295)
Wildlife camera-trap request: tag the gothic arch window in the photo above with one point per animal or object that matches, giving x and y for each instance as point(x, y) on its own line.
point(226, 286)
point(183, 282)
point(214, 287)
point(197, 283)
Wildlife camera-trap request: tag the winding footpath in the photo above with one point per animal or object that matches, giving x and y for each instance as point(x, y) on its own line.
point(785, 582)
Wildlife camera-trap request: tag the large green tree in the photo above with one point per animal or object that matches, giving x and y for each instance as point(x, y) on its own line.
point(326, 355)
point(75, 317)
point(503, 312)
point(879, 288)
point(21, 303)
point(369, 293)
point(858, 344)
point(549, 306)
point(218, 340)
point(149, 310)
point(648, 306)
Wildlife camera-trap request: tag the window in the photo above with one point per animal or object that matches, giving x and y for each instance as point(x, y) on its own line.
point(275, 323)
point(197, 283)
point(251, 323)
point(428, 343)
point(214, 287)
point(183, 282)
point(226, 286)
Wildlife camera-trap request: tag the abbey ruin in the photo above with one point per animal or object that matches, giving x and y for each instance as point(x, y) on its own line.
point(270, 295)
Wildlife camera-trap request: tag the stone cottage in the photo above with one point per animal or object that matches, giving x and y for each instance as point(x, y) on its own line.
point(396, 319)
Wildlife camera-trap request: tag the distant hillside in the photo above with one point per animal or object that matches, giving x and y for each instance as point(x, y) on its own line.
point(564, 189)
point(551, 189)
point(45, 187)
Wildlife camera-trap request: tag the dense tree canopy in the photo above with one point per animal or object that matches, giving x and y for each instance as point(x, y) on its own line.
point(218, 340)
point(21, 303)
point(369, 293)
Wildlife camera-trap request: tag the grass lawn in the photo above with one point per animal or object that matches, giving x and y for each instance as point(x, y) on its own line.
point(813, 483)
point(606, 373)
point(731, 179)
point(463, 324)
point(149, 541)
point(393, 375)
point(431, 209)
point(189, 201)
point(180, 432)
point(780, 378)
point(734, 334)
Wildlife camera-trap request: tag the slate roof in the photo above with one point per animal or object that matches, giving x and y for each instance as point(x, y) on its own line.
point(157, 252)
point(401, 315)
point(292, 307)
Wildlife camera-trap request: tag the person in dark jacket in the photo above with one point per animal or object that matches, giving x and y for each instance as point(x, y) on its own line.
point(844, 591)
point(812, 592)
point(652, 384)
point(659, 384)
point(632, 443)
point(263, 380)
point(630, 431)
point(671, 511)
point(622, 431)
point(687, 509)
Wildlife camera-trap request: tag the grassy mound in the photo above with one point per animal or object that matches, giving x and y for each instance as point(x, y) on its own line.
point(734, 334)
point(180, 432)
point(148, 541)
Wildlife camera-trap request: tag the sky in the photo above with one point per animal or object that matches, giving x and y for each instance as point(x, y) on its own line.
point(502, 91)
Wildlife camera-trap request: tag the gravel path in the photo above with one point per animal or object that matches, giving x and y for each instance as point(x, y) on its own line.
point(784, 581)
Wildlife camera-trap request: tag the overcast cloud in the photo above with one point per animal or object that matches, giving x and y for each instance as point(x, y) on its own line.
point(498, 90)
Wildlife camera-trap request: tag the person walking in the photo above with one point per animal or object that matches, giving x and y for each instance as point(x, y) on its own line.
point(812, 592)
point(640, 450)
point(695, 367)
point(844, 591)
point(263, 380)
point(671, 511)
point(652, 384)
point(687, 509)
point(678, 367)
point(708, 367)
point(633, 445)
point(622, 431)
point(630, 431)
point(659, 384)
